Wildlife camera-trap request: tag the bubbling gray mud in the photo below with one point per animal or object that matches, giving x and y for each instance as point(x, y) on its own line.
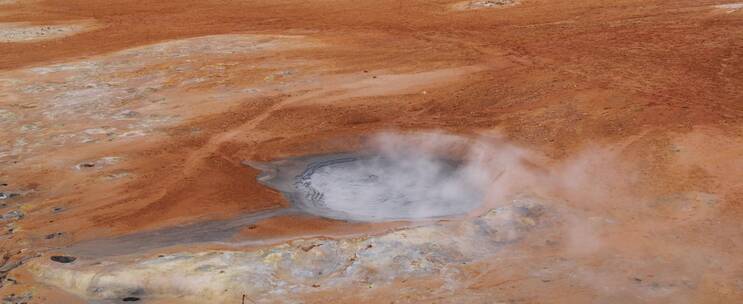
point(375, 187)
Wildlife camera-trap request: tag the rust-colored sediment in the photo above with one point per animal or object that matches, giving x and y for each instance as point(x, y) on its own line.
point(181, 92)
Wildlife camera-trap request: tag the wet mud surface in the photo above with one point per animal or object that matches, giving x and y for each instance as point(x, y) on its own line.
point(196, 233)
point(373, 188)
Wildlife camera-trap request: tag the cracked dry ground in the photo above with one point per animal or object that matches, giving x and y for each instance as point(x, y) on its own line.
point(125, 126)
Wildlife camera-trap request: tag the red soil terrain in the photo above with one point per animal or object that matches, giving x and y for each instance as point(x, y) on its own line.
point(141, 118)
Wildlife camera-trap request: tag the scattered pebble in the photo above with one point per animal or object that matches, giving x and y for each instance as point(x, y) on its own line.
point(8, 195)
point(105, 161)
point(63, 259)
point(130, 299)
point(53, 235)
point(12, 215)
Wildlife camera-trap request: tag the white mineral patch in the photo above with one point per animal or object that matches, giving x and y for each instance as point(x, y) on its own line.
point(731, 7)
point(289, 270)
point(122, 95)
point(6, 116)
point(25, 32)
point(483, 4)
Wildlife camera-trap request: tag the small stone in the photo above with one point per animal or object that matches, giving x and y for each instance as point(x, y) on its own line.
point(87, 165)
point(12, 215)
point(130, 299)
point(53, 235)
point(63, 259)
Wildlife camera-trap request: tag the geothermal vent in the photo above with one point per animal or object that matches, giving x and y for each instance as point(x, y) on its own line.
point(376, 188)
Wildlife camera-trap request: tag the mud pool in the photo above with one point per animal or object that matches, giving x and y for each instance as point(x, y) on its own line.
point(375, 187)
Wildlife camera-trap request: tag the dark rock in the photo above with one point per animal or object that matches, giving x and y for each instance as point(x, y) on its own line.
point(12, 215)
point(53, 235)
point(130, 299)
point(57, 209)
point(63, 259)
point(5, 195)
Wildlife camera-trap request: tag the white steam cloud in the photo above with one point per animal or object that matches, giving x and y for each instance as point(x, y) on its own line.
point(493, 172)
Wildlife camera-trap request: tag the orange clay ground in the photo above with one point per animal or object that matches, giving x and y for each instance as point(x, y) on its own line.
point(121, 117)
